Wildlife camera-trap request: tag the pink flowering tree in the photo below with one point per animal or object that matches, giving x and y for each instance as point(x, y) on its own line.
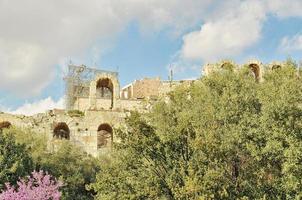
point(39, 186)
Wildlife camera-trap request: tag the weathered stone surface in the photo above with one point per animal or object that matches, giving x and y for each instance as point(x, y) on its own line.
point(85, 131)
point(100, 110)
point(82, 130)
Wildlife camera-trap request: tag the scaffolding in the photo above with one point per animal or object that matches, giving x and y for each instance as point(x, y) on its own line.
point(78, 81)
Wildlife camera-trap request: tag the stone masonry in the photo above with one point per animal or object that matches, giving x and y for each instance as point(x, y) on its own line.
point(96, 105)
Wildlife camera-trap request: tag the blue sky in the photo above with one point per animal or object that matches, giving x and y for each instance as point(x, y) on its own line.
point(136, 38)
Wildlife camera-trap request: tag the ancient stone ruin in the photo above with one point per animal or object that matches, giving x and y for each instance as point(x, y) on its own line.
point(96, 105)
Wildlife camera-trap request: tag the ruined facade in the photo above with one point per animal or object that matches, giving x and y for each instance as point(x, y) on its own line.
point(96, 104)
point(91, 89)
point(256, 68)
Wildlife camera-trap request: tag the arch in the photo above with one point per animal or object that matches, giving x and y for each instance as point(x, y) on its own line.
point(104, 89)
point(274, 67)
point(104, 136)
point(105, 83)
point(61, 131)
point(108, 82)
point(5, 124)
point(255, 68)
point(227, 66)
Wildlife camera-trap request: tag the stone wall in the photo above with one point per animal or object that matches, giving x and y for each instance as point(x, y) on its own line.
point(113, 86)
point(99, 112)
point(103, 104)
point(141, 89)
point(168, 86)
point(257, 68)
point(81, 104)
point(150, 88)
point(83, 130)
point(146, 88)
point(130, 104)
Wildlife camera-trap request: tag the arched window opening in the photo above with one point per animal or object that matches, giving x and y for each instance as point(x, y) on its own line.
point(61, 131)
point(104, 89)
point(274, 67)
point(5, 124)
point(255, 70)
point(104, 136)
point(227, 66)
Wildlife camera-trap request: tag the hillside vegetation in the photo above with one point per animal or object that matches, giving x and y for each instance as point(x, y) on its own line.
point(226, 136)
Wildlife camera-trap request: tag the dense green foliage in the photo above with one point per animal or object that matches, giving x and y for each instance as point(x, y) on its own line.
point(35, 142)
point(15, 160)
point(74, 167)
point(225, 137)
point(75, 113)
point(25, 150)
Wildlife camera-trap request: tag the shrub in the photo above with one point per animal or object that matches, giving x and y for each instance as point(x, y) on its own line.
point(15, 160)
point(75, 113)
point(39, 186)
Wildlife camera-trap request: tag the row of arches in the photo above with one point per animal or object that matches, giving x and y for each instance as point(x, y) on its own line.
point(104, 134)
point(254, 68)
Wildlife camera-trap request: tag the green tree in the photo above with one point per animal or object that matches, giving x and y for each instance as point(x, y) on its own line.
point(225, 137)
point(15, 160)
point(68, 163)
point(281, 99)
point(74, 167)
point(36, 143)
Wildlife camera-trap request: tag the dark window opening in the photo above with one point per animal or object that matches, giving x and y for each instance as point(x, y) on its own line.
point(104, 89)
point(5, 124)
point(276, 67)
point(255, 70)
point(227, 66)
point(61, 131)
point(104, 136)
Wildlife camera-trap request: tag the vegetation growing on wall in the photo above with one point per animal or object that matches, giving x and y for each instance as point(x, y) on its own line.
point(75, 113)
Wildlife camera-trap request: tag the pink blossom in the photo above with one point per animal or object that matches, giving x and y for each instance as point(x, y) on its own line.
point(39, 186)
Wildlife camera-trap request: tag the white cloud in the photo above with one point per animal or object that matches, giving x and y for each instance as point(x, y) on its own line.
point(159, 14)
point(36, 35)
point(235, 26)
point(38, 107)
point(283, 8)
point(229, 33)
point(178, 65)
point(293, 43)
point(22, 67)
